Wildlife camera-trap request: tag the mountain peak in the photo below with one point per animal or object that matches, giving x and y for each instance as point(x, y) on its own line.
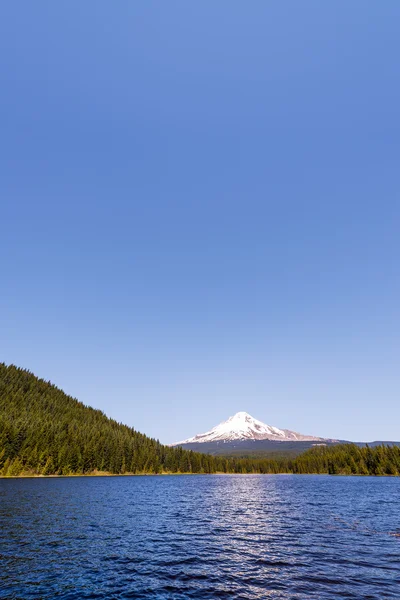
point(240, 417)
point(242, 426)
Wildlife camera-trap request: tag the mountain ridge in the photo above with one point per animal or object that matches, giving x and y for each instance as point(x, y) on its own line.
point(243, 427)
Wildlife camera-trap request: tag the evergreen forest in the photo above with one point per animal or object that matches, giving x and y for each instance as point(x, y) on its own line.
point(43, 431)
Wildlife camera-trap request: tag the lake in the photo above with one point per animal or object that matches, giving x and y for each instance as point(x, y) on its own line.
point(204, 536)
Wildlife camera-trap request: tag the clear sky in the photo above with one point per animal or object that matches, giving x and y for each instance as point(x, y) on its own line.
point(200, 210)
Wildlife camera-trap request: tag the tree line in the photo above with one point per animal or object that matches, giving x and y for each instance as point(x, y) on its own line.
point(43, 431)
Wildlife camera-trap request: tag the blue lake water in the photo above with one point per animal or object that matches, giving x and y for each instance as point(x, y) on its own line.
point(204, 536)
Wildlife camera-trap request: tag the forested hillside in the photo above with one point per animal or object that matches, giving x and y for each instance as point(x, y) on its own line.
point(45, 432)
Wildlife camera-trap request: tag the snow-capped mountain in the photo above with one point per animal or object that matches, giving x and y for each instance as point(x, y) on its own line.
point(243, 426)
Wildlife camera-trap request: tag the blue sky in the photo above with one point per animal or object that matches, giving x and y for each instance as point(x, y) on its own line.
point(200, 210)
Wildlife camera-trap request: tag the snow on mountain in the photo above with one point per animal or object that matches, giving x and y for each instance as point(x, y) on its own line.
point(243, 426)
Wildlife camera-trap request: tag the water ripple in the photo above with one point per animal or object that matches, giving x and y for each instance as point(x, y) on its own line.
point(206, 537)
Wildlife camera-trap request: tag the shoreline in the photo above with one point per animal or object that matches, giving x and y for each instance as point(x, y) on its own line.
point(104, 474)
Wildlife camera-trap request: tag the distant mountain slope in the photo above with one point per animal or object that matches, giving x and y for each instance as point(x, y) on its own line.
point(256, 448)
point(376, 444)
point(242, 428)
point(244, 436)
